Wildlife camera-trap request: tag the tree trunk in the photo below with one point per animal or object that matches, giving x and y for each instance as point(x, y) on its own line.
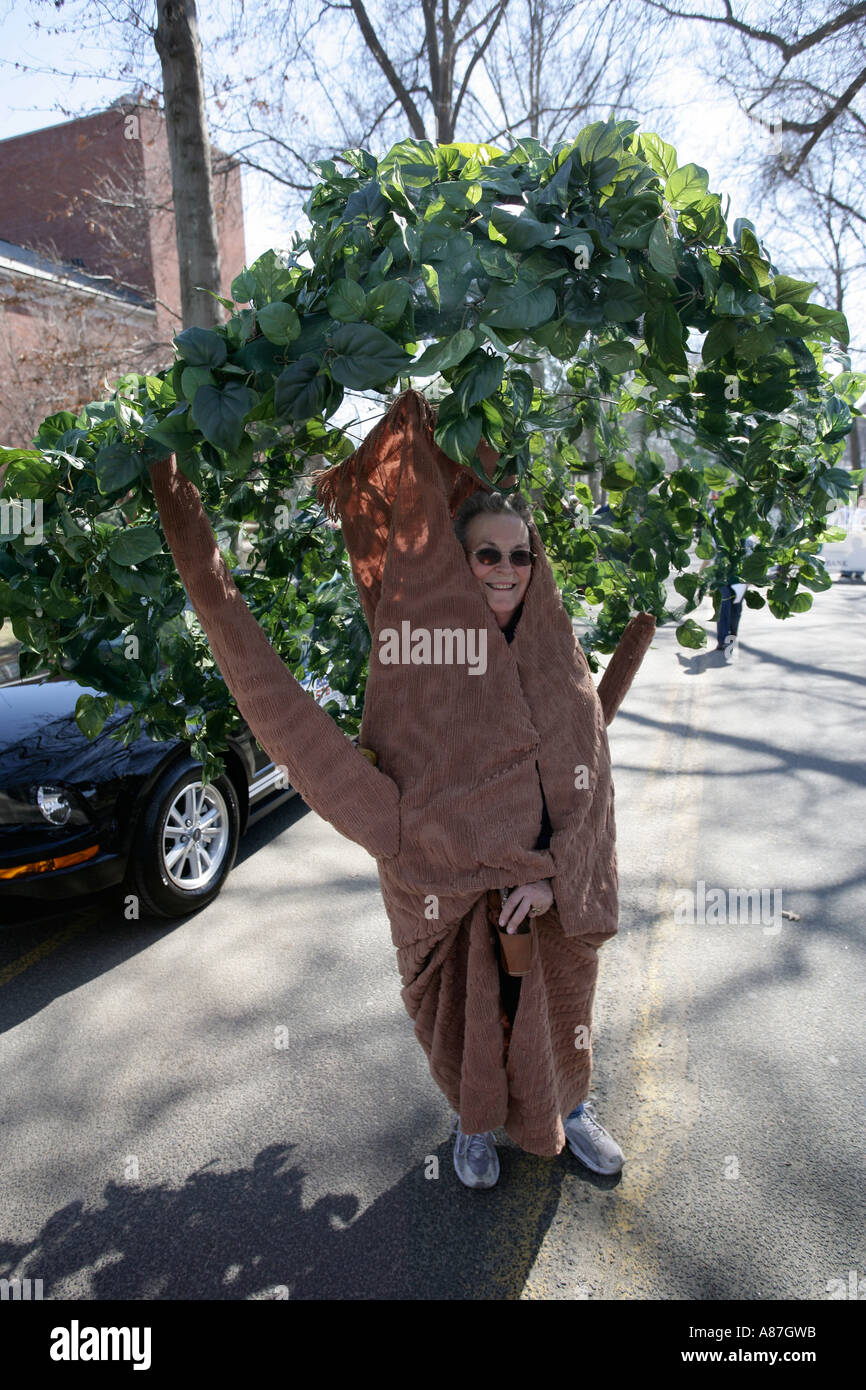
point(179, 48)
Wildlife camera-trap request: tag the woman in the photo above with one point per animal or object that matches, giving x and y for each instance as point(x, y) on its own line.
point(494, 532)
point(446, 792)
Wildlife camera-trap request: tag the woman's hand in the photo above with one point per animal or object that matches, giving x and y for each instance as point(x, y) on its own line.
point(533, 898)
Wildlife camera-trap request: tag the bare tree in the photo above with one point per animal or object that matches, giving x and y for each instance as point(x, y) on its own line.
point(558, 64)
point(359, 73)
point(797, 67)
point(798, 72)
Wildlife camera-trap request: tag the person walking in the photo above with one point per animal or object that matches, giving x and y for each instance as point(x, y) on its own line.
point(728, 590)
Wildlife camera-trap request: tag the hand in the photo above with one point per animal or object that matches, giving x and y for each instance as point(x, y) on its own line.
point(532, 898)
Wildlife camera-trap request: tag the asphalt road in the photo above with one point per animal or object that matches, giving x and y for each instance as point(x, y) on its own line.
point(234, 1106)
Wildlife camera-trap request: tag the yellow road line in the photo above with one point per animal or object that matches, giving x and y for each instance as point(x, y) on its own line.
point(644, 1039)
point(658, 1049)
point(45, 948)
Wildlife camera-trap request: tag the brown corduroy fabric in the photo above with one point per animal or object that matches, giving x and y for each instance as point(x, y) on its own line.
point(452, 807)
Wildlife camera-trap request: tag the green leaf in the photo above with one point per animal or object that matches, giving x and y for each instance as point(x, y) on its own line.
point(28, 474)
point(830, 321)
point(622, 302)
point(661, 252)
point(719, 340)
point(219, 413)
point(691, 634)
point(380, 268)
point(664, 335)
point(144, 580)
point(431, 282)
point(90, 714)
point(273, 279)
point(447, 353)
point(786, 290)
point(458, 435)
point(661, 157)
point(737, 300)
point(53, 426)
point(301, 390)
point(410, 237)
point(386, 305)
point(519, 228)
point(686, 584)
point(480, 377)
point(562, 337)
point(617, 475)
point(175, 432)
point(497, 262)
point(634, 226)
point(687, 186)
point(522, 305)
point(643, 562)
point(395, 192)
point(191, 378)
point(201, 347)
point(243, 287)
point(365, 356)
point(117, 465)
point(346, 301)
point(839, 420)
point(836, 482)
point(279, 322)
point(134, 544)
point(615, 357)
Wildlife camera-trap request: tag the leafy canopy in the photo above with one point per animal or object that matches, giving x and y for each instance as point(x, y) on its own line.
point(467, 269)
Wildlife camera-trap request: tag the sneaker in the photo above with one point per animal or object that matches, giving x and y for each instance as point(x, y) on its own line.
point(591, 1143)
point(476, 1161)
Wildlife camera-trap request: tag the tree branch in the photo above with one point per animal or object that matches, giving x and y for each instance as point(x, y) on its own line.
point(478, 54)
point(789, 50)
point(378, 52)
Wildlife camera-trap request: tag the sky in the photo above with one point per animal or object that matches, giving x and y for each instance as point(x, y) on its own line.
point(705, 128)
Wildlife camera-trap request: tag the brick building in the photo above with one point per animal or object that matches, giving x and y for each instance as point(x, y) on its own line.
point(89, 278)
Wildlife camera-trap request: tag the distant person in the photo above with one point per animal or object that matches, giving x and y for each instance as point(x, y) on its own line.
point(728, 590)
point(858, 525)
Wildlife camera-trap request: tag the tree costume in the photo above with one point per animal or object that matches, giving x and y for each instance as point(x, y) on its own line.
point(453, 804)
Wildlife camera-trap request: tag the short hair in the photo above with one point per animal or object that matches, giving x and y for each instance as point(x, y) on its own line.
point(495, 503)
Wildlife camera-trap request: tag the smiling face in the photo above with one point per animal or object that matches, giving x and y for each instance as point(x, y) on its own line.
point(503, 584)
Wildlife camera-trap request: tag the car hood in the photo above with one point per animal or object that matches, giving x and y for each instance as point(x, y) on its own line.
point(40, 740)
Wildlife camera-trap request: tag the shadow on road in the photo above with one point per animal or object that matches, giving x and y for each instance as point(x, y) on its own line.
point(246, 1234)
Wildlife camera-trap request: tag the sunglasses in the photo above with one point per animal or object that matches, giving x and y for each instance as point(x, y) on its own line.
point(488, 555)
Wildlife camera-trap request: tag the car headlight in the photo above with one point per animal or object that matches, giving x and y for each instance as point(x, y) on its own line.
point(47, 803)
point(54, 804)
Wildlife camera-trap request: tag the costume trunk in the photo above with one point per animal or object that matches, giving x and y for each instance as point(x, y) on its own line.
point(461, 731)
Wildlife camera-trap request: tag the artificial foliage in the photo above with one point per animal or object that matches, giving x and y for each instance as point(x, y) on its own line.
point(547, 300)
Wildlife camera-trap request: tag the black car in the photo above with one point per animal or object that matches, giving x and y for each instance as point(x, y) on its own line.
point(78, 816)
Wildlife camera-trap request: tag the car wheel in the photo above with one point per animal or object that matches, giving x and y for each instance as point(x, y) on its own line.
point(185, 842)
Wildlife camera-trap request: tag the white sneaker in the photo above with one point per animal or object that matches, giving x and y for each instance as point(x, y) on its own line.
point(591, 1143)
point(476, 1161)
